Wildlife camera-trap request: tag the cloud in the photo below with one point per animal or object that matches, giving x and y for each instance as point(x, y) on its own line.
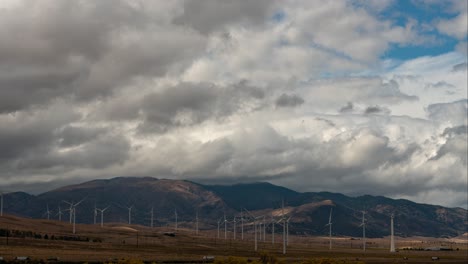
point(456, 26)
point(453, 113)
point(347, 108)
point(286, 100)
point(213, 15)
point(375, 110)
point(84, 50)
point(460, 67)
point(299, 93)
point(188, 104)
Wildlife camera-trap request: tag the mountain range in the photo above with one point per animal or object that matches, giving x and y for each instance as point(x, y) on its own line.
point(308, 212)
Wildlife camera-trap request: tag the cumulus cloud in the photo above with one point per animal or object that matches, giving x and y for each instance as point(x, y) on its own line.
point(291, 92)
point(286, 100)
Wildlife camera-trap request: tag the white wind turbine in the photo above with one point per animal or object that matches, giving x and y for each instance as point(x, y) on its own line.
point(102, 214)
point(234, 221)
point(196, 223)
point(152, 216)
point(392, 239)
point(219, 222)
point(264, 229)
point(225, 227)
point(48, 212)
point(242, 225)
point(330, 229)
point(1, 203)
point(175, 212)
point(73, 212)
point(363, 224)
point(95, 213)
point(255, 228)
point(285, 223)
point(129, 208)
point(60, 213)
point(272, 230)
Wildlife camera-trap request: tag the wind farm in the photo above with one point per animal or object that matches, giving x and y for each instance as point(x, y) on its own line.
point(183, 233)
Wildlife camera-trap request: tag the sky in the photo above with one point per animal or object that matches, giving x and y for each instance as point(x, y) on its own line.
point(357, 97)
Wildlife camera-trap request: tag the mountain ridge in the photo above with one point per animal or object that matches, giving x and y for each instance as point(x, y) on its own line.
point(309, 210)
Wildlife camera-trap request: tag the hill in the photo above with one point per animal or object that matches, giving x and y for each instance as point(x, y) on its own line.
point(309, 212)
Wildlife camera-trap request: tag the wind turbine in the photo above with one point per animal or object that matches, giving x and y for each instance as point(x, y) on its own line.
point(48, 212)
point(1, 203)
point(272, 230)
point(363, 224)
point(152, 216)
point(60, 213)
point(95, 213)
point(175, 212)
point(264, 229)
point(255, 228)
point(242, 225)
point(196, 223)
point(129, 214)
point(392, 239)
point(219, 221)
point(73, 212)
point(330, 229)
point(285, 227)
point(225, 227)
point(234, 222)
point(102, 214)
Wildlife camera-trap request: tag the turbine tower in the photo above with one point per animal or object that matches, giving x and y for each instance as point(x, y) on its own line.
point(392, 239)
point(48, 212)
point(255, 225)
point(1, 203)
point(95, 213)
point(129, 214)
point(242, 225)
point(73, 212)
point(102, 215)
point(219, 222)
point(60, 213)
point(272, 230)
point(330, 229)
point(152, 216)
point(283, 219)
point(225, 227)
point(234, 222)
point(175, 213)
point(196, 223)
point(363, 224)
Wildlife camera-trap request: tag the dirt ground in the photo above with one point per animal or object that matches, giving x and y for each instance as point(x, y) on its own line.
point(43, 239)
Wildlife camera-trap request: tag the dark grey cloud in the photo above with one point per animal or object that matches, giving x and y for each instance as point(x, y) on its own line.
point(96, 154)
point(455, 112)
point(31, 132)
point(458, 130)
point(188, 104)
point(72, 135)
point(212, 15)
point(84, 50)
point(391, 92)
point(376, 109)
point(460, 67)
point(347, 108)
point(288, 100)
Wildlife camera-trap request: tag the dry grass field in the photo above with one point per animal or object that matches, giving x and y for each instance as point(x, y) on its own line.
point(43, 239)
